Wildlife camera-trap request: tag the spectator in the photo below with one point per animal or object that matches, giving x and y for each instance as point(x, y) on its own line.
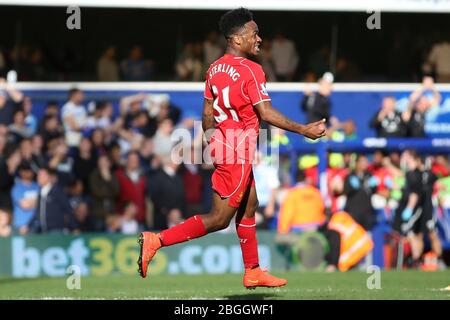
point(359, 186)
point(34, 69)
point(336, 174)
point(60, 161)
point(74, 117)
point(342, 131)
point(128, 223)
point(388, 122)
point(136, 68)
point(10, 101)
point(51, 109)
point(192, 183)
point(131, 138)
point(212, 48)
point(9, 162)
point(115, 156)
point(84, 163)
point(149, 162)
point(132, 186)
point(36, 160)
point(317, 105)
point(104, 188)
point(31, 121)
point(346, 71)
point(75, 193)
point(174, 217)
point(319, 63)
point(189, 64)
point(53, 207)
point(163, 143)
point(266, 60)
point(167, 192)
point(439, 60)
point(285, 57)
point(419, 104)
point(82, 220)
point(191, 123)
point(5, 226)
point(129, 106)
point(99, 142)
point(267, 186)
point(441, 165)
point(107, 67)
point(18, 130)
point(37, 146)
point(24, 195)
point(379, 169)
point(302, 208)
point(102, 116)
point(51, 129)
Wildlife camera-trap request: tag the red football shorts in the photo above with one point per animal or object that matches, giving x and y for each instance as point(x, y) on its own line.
point(232, 181)
point(232, 150)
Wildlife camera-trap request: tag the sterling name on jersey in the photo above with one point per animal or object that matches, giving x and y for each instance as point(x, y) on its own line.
point(236, 85)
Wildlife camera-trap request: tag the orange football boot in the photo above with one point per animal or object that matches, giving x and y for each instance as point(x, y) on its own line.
point(258, 277)
point(149, 243)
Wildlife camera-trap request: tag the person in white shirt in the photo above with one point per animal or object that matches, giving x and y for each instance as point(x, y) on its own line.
point(439, 60)
point(284, 57)
point(267, 186)
point(128, 223)
point(74, 117)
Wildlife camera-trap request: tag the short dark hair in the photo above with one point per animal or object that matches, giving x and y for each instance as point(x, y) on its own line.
point(233, 20)
point(73, 91)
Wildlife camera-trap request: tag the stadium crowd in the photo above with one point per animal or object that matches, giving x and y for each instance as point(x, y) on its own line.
point(280, 58)
point(84, 169)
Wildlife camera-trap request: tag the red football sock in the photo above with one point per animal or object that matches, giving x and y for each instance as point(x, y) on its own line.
point(246, 231)
point(190, 229)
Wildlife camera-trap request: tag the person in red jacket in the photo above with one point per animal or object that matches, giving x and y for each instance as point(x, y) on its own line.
point(132, 186)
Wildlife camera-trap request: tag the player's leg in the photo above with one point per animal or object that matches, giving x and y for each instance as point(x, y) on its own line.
point(246, 228)
point(246, 231)
point(428, 227)
point(194, 227)
point(416, 242)
point(436, 245)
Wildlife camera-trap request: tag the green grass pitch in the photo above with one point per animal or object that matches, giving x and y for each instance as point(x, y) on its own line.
point(302, 285)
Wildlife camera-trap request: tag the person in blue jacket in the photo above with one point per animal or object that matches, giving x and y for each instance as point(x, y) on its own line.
point(53, 211)
point(24, 197)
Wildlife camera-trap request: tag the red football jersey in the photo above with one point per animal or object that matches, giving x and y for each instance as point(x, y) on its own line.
point(236, 85)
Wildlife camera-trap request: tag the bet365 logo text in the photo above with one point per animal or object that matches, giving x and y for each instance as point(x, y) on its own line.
point(73, 21)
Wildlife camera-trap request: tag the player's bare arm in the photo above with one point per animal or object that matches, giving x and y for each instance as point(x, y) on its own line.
point(268, 113)
point(208, 118)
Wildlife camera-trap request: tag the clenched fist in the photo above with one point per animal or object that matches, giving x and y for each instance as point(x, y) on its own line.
point(315, 130)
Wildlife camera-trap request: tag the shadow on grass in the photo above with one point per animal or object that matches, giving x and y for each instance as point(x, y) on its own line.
point(252, 296)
